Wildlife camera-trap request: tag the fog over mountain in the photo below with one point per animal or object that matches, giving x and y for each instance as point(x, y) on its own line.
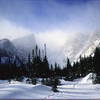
point(68, 27)
point(25, 44)
point(84, 45)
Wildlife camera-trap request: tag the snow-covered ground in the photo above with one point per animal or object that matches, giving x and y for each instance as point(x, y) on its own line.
point(19, 90)
point(78, 89)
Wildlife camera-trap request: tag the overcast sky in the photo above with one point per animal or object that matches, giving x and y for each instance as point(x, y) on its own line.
point(22, 17)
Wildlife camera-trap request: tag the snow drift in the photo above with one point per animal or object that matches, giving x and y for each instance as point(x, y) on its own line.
point(88, 79)
point(77, 89)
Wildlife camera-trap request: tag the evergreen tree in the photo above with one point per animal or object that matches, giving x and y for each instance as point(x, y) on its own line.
point(0, 59)
point(43, 81)
point(54, 84)
point(69, 71)
point(97, 64)
point(34, 81)
point(29, 69)
point(45, 64)
point(51, 71)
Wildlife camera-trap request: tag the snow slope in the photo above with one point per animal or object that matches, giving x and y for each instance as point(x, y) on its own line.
point(88, 79)
point(68, 90)
point(82, 44)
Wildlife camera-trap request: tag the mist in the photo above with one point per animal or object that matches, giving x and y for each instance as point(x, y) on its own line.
point(54, 22)
point(12, 31)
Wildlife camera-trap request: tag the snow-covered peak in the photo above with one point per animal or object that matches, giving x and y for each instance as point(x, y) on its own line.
point(74, 47)
point(82, 45)
point(91, 48)
point(94, 42)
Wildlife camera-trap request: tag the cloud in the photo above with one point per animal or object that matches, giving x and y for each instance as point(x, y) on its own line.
point(53, 38)
point(11, 31)
point(69, 16)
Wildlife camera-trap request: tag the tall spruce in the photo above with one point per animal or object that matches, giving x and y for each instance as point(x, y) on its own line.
point(69, 72)
point(97, 64)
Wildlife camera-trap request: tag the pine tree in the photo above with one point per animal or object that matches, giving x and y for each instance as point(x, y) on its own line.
point(97, 64)
point(29, 67)
point(0, 59)
point(45, 64)
point(54, 84)
point(34, 81)
point(69, 71)
point(43, 81)
point(51, 71)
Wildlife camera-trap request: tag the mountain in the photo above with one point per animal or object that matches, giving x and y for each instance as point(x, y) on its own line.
point(25, 45)
point(8, 51)
point(82, 45)
point(75, 45)
point(94, 42)
point(8, 47)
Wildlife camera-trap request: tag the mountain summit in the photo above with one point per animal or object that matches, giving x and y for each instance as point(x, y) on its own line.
point(7, 46)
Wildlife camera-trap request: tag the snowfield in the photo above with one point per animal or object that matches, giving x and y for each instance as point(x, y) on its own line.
point(23, 91)
point(78, 89)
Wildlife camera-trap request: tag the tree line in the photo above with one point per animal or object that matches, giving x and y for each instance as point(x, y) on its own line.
point(38, 66)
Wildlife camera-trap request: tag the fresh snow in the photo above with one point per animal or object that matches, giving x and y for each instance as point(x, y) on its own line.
point(88, 79)
point(20, 90)
point(82, 88)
